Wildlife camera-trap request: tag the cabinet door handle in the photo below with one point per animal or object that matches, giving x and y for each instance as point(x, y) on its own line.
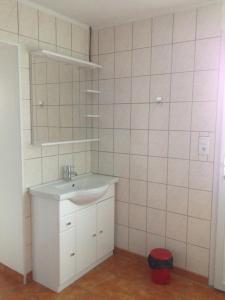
point(72, 254)
point(94, 235)
point(101, 231)
point(68, 224)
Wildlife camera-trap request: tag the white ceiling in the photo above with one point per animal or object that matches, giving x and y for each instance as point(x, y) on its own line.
point(109, 12)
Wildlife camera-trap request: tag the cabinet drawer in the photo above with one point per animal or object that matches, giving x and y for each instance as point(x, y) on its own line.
point(67, 222)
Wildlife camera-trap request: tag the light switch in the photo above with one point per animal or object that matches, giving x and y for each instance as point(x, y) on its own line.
point(203, 146)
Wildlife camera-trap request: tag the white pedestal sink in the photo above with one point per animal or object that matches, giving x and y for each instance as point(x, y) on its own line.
point(82, 190)
point(85, 190)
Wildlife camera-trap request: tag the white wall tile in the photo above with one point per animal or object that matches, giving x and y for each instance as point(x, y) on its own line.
point(183, 57)
point(137, 241)
point(182, 87)
point(106, 163)
point(142, 34)
point(177, 199)
point(141, 62)
point(138, 167)
point(176, 227)
point(157, 195)
point(138, 192)
point(203, 116)
point(30, 151)
point(156, 221)
point(8, 16)
point(162, 30)
point(122, 215)
point(121, 239)
point(209, 21)
point(184, 26)
point(80, 39)
point(32, 172)
point(140, 89)
point(199, 232)
point(178, 172)
point(205, 86)
point(106, 40)
point(180, 116)
point(201, 175)
point(123, 37)
point(198, 260)
point(122, 140)
point(157, 169)
point(139, 142)
point(123, 64)
point(159, 116)
point(139, 116)
point(121, 165)
point(207, 54)
point(122, 116)
point(122, 190)
point(94, 42)
point(161, 59)
point(123, 90)
point(179, 144)
point(64, 32)
point(50, 168)
point(107, 91)
point(179, 250)
point(107, 62)
point(106, 140)
point(106, 113)
point(200, 204)
point(28, 21)
point(158, 143)
point(137, 217)
point(47, 28)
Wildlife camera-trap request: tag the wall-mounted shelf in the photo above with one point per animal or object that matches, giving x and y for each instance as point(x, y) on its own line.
point(70, 142)
point(93, 92)
point(65, 58)
point(92, 116)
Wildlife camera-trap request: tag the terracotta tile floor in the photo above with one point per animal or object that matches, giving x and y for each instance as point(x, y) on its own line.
point(120, 277)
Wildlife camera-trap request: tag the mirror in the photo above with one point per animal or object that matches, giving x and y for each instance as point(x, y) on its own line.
point(63, 107)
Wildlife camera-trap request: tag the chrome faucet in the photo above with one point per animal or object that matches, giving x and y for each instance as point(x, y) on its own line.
point(69, 171)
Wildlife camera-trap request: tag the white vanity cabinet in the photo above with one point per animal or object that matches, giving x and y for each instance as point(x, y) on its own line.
point(69, 240)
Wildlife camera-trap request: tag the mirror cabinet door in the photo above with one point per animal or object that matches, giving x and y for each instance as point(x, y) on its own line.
point(62, 109)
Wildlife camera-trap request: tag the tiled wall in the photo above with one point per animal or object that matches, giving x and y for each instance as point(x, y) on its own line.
point(33, 29)
point(164, 195)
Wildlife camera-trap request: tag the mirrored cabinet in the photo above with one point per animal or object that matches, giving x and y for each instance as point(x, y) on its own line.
point(64, 99)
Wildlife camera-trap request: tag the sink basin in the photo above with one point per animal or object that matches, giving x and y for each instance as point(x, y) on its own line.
point(85, 190)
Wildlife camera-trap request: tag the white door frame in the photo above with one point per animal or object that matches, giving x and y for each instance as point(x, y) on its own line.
point(18, 46)
point(217, 245)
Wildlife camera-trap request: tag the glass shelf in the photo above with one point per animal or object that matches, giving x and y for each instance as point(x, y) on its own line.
point(65, 58)
point(70, 142)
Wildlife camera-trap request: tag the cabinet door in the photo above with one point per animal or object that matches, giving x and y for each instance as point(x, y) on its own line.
point(86, 237)
point(105, 227)
point(67, 254)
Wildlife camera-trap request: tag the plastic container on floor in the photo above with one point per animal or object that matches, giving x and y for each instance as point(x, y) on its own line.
point(160, 261)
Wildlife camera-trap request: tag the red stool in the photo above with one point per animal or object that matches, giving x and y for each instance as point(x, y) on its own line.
point(160, 261)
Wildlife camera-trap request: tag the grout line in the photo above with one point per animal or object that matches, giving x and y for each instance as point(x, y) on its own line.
point(188, 191)
point(168, 134)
